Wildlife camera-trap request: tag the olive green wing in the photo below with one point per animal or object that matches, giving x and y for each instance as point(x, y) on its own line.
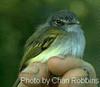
point(35, 46)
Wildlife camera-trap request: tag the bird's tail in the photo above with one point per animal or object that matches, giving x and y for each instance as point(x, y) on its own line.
point(16, 83)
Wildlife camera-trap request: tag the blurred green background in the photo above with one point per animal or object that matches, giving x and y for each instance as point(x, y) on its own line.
point(19, 18)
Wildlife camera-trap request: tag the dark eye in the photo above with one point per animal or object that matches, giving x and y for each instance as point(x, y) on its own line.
point(59, 22)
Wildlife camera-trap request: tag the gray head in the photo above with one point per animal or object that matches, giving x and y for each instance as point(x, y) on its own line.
point(63, 19)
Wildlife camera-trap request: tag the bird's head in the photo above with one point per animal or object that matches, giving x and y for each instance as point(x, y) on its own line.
point(63, 19)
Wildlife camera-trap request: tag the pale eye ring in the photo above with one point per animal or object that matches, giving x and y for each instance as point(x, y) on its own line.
point(59, 22)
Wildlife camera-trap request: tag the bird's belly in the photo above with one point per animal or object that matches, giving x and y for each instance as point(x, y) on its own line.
point(58, 49)
point(71, 44)
point(45, 55)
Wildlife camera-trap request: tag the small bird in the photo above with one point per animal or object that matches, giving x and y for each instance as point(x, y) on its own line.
point(61, 35)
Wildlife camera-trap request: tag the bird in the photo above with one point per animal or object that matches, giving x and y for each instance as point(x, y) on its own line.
point(61, 35)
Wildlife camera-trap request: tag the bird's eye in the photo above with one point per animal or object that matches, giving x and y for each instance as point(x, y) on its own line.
point(59, 22)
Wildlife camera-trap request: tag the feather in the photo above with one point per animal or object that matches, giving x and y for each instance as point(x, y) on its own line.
point(37, 43)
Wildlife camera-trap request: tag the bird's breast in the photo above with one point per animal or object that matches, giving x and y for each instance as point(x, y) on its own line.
point(68, 44)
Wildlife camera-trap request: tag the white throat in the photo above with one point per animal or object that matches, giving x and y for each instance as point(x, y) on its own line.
point(76, 41)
